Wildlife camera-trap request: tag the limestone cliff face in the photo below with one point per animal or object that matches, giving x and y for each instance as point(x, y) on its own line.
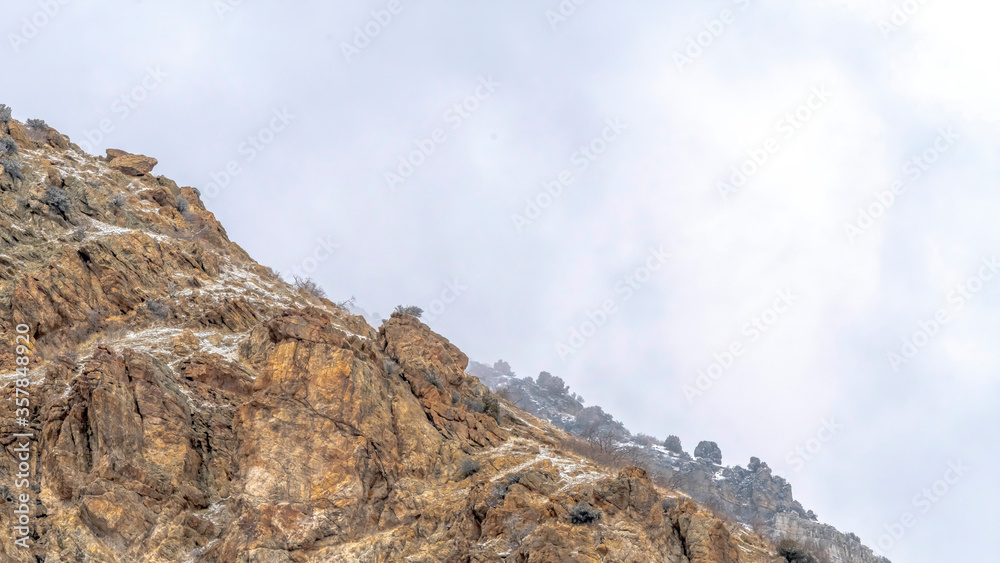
point(188, 405)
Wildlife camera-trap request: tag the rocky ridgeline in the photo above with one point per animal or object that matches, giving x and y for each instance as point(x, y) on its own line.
point(751, 495)
point(188, 405)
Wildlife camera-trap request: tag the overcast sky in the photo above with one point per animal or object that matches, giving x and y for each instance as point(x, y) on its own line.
point(687, 177)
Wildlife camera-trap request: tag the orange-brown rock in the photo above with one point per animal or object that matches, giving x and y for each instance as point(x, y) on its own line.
point(52, 175)
point(57, 139)
point(130, 164)
point(17, 131)
point(706, 540)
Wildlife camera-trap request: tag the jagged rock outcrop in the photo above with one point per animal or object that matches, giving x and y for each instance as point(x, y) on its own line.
point(836, 546)
point(753, 495)
point(189, 405)
point(549, 399)
point(130, 164)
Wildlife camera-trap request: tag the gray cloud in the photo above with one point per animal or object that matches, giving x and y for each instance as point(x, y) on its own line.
point(322, 178)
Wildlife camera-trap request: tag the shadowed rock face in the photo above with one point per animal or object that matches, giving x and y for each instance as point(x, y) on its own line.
point(189, 405)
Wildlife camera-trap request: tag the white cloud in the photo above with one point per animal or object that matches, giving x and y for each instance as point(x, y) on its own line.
point(785, 228)
point(954, 58)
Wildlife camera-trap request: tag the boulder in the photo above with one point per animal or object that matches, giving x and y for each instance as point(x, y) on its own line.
point(130, 164)
point(20, 135)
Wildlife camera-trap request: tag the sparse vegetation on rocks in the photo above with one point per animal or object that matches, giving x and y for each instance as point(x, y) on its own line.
point(505, 393)
point(13, 168)
point(5, 113)
point(410, 310)
point(435, 381)
point(58, 200)
point(669, 504)
point(794, 553)
point(645, 440)
point(491, 406)
point(37, 130)
point(583, 513)
point(309, 286)
point(502, 487)
point(488, 405)
point(8, 146)
point(468, 466)
point(673, 444)
point(552, 384)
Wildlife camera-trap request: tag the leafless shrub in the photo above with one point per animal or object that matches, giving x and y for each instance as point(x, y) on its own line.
point(37, 130)
point(8, 146)
point(468, 466)
point(793, 552)
point(474, 405)
point(491, 407)
point(646, 440)
point(13, 168)
point(309, 286)
point(602, 455)
point(409, 310)
point(759, 525)
point(636, 456)
point(58, 200)
point(434, 380)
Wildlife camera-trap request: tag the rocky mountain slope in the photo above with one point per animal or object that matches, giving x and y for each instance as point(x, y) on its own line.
point(751, 495)
point(185, 404)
